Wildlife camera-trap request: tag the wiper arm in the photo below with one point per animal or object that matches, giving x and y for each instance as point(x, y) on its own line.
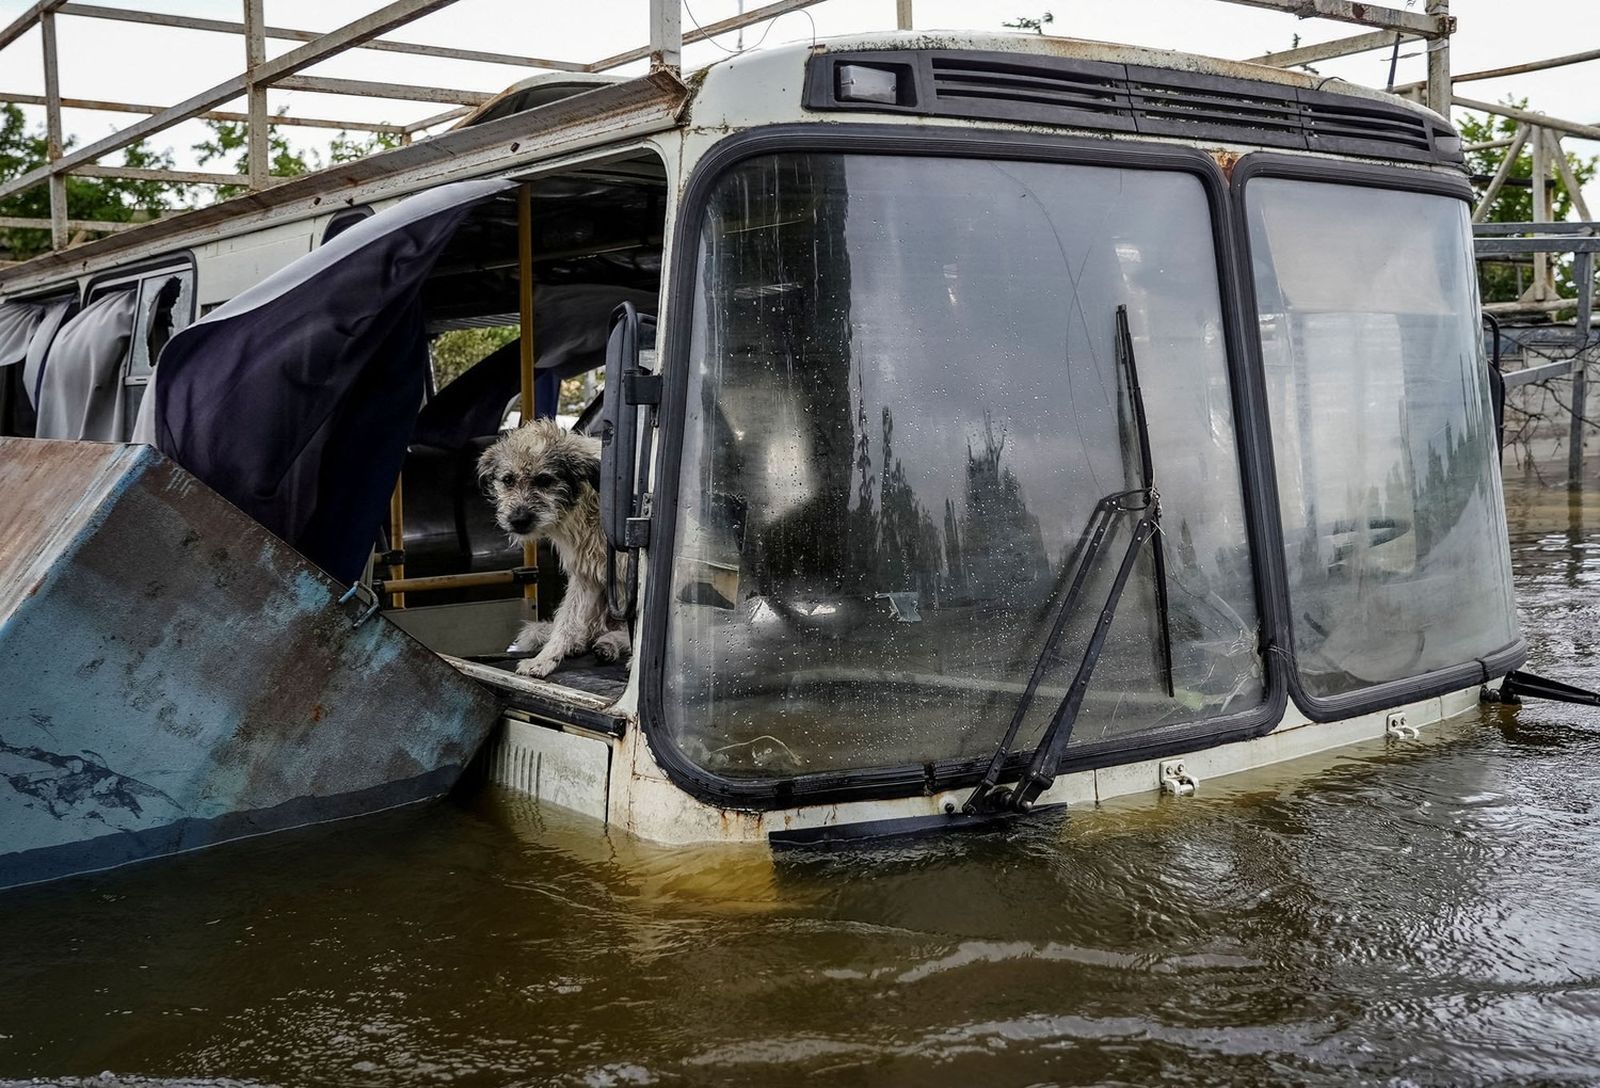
point(1081, 561)
point(1041, 772)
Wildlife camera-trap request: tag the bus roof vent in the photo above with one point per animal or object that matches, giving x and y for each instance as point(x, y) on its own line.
point(1104, 96)
point(975, 85)
point(1168, 103)
point(1345, 123)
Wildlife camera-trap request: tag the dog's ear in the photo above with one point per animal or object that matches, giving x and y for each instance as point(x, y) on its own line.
point(576, 466)
point(489, 465)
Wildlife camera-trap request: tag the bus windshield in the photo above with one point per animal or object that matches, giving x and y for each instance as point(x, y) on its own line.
point(903, 407)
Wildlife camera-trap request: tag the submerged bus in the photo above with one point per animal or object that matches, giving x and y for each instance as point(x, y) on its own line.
point(996, 421)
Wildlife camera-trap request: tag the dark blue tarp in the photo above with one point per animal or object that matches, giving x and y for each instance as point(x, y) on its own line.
point(296, 399)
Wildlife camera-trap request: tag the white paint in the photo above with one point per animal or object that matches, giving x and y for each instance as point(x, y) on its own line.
point(639, 798)
point(231, 265)
point(552, 767)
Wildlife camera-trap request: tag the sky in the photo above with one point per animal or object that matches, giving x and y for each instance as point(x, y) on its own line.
point(114, 60)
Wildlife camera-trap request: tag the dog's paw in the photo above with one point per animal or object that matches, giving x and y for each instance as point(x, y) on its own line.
point(612, 646)
point(538, 667)
point(531, 638)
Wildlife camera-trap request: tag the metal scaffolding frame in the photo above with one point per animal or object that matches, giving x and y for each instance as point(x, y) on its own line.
point(287, 72)
point(1532, 331)
point(663, 50)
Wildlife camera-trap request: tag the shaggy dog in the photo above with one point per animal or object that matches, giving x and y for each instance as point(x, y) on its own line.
point(544, 482)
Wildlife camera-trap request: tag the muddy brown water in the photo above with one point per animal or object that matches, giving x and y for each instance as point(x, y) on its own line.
point(1424, 914)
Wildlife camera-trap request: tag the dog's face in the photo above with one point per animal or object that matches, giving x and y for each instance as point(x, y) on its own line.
point(536, 475)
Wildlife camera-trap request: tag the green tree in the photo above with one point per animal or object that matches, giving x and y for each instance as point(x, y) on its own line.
point(1514, 203)
point(117, 200)
point(347, 148)
point(112, 200)
point(456, 351)
point(229, 143)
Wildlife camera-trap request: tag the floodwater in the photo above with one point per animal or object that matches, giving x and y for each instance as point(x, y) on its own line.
point(1426, 913)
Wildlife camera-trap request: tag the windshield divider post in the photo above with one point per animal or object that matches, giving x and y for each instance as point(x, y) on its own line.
point(1041, 772)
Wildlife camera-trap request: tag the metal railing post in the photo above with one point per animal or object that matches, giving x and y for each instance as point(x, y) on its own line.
point(1583, 280)
point(1439, 60)
point(1575, 437)
point(255, 55)
point(666, 34)
point(53, 136)
point(1540, 289)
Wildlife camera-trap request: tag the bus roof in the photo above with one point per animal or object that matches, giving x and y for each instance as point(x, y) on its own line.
point(558, 114)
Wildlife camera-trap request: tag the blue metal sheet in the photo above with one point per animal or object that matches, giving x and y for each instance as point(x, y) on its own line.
point(173, 675)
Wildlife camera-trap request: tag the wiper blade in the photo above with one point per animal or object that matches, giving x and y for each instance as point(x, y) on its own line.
point(1148, 473)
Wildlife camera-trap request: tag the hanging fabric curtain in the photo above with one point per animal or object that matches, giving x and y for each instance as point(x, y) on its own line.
point(55, 315)
point(80, 385)
point(18, 320)
point(296, 399)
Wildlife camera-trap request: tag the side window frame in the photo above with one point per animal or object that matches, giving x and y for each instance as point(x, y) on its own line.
point(147, 278)
point(342, 220)
point(1373, 176)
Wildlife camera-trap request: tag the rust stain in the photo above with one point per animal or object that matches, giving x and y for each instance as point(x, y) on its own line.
point(317, 712)
point(1227, 160)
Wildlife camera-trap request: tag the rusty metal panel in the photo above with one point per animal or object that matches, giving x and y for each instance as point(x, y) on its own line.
point(49, 492)
point(172, 675)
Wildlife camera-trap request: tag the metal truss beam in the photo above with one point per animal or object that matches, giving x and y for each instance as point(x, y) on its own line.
point(1340, 47)
point(224, 26)
point(1348, 11)
point(391, 15)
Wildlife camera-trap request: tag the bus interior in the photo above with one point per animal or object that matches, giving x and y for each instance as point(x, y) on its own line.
point(439, 565)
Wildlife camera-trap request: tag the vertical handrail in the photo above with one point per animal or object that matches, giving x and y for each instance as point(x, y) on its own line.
point(397, 539)
point(530, 550)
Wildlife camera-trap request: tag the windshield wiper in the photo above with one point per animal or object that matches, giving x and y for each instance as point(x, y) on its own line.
point(1082, 561)
point(1146, 501)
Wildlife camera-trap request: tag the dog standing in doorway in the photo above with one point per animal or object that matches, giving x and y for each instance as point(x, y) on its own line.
point(545, 482)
